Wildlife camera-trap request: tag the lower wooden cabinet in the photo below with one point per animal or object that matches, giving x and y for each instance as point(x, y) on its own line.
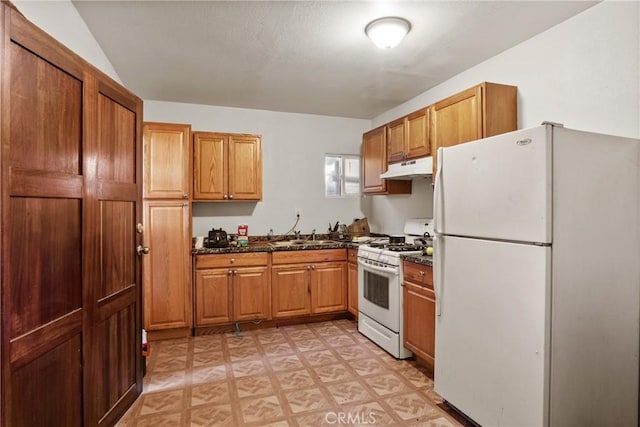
point(308, 282)
point(419, 312)
point(352, 279)
point(232, 287)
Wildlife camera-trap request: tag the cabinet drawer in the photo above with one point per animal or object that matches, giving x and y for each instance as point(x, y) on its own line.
point(230, 260)
point(419, 274)
point(316, 255)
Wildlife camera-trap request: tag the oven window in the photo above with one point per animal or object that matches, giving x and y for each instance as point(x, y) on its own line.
point(376, 289)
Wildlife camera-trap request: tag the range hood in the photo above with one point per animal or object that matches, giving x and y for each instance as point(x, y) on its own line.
point(410, 169)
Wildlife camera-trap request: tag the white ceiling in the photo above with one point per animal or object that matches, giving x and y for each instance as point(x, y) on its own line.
point(305, 56)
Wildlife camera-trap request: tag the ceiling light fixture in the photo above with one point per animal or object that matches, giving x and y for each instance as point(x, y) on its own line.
point(387, 32)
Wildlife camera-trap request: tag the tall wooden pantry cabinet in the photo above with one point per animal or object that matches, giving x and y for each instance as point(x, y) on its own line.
point(167, 229)
point(70, 158)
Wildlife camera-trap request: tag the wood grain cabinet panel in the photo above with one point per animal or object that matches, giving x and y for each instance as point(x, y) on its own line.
point(328, 287)
point(408, 137)
point(213, 297)
point(308, 285)
point(231, 287)
point(481, 111)
point(167, 267)
point(227, 167)
point(419, 311)
point(71, 195)
point(374, 163)
point(167, 161)
point(352, 279)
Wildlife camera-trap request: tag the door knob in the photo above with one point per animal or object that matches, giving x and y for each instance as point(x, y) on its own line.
point(142, 250)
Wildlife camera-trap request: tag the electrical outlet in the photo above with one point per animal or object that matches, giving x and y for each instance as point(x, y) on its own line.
point(298, 212)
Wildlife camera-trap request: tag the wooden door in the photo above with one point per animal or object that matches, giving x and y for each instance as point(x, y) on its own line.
point(43, 225)
point(213, 303)
point(71, 191)
point(210, 166)
point(396, 147)
point(328, 287)
point(419, 321)
point(374, 161)
point(251, 293)
point(291, 290)
point(417, 134)
point(245, 167)
point(167, 267)
point(167, 159)
point(113, 373)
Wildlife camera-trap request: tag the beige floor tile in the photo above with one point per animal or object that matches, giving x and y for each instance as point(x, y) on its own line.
point(309, 375)
point(261, 409)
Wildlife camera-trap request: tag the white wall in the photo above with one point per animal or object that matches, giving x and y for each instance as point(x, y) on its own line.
point(584, 73)
point(61, 20)
point(293, 149)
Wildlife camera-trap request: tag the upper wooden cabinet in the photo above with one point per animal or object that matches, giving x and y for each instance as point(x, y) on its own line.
point(408, 137)
point(481, 111)
point(227, 167)
point(374, 163)
point(167, 161)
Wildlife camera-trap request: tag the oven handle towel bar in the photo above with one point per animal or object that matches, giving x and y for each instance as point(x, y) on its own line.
point(385, 270)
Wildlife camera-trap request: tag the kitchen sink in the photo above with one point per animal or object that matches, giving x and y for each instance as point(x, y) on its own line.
point(302, 243)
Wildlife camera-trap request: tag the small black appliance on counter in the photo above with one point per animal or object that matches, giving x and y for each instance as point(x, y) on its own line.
point(217, 239)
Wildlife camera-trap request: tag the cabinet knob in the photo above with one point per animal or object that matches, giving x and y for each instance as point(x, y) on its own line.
point(184, 205)
point(235, 272)
point(313, 267)
point(421, 273)
point(308, 267)
point(225, 197)
point(142, 250)
point(229, 273)
point(185, 195)
point(231, 196)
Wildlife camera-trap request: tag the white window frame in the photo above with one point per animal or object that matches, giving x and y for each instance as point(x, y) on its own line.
point(342, 177)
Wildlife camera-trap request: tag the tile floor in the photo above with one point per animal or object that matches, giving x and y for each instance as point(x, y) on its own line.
point(318, 374)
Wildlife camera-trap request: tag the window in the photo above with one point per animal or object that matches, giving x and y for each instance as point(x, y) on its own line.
point(341, 175)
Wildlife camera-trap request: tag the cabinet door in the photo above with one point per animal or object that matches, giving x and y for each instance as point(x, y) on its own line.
point(167, 267)
point(419, 313)
point(167, 154)
point(457, 119)
point(290, 290)
point(374, 161)
point(353, 288)
point(396, 147)
point(417, 135)
point(328, 287)
point(210, 166)
point(251, 293)
point(245, 167)
point(213, 297)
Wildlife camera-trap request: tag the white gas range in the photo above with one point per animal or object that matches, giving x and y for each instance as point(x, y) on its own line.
point(380, 316)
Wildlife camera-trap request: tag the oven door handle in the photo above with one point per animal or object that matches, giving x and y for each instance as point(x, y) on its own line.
point(385, 270)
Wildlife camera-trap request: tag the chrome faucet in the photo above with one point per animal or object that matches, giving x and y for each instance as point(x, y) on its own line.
point(313, 234)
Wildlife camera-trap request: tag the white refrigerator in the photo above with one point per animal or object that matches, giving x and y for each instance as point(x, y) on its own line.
point(537, 278)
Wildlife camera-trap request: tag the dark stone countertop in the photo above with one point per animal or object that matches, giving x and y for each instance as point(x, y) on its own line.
point(262, 246)
point(419, 259)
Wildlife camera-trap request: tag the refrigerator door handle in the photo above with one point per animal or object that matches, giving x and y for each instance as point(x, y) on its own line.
point(438, 257)
point(437, 195)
